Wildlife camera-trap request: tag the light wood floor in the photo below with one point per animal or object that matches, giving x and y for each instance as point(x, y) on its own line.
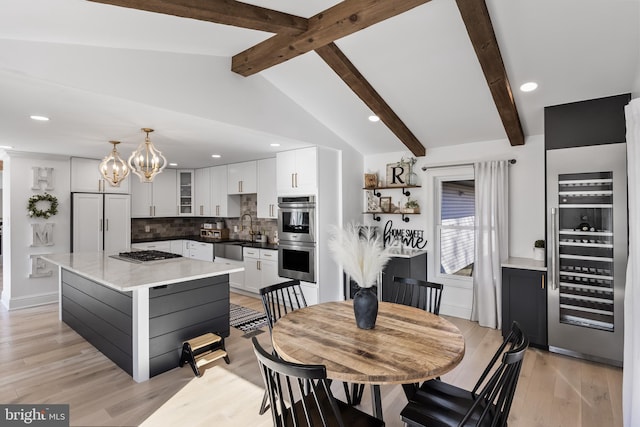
point(43, 361)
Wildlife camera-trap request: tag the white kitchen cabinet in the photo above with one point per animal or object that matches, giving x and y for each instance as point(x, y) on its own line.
point(160, 245)
point(86, 177)
point(267, 195)
point(260, 268)
point(222, 204)
point(241, 178)
point(185, 191)
point(176, 247)
point(101, 222)
point(198, 250)
point(202, 202)
point(297, 172)
point(310, 292)
point(157, 198)
point(236, 280)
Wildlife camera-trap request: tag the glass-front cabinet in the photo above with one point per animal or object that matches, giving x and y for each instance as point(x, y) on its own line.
point(185, 192)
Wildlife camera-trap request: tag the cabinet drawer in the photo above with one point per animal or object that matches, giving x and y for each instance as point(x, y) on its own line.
point(269, 254)
point(251, 252)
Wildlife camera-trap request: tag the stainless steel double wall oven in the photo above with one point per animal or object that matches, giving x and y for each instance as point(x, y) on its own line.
point(297, 234)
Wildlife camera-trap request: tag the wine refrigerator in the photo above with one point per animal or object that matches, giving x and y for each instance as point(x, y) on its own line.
point(587, 251)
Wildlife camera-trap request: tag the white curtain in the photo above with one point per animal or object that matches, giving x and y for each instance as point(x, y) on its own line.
point(631, 373)
point(492, 241)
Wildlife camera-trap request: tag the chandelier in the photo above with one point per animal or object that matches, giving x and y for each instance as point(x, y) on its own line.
point(113, 168)
point(147, 161)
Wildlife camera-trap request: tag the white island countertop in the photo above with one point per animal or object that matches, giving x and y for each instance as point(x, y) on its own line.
point(127, 276)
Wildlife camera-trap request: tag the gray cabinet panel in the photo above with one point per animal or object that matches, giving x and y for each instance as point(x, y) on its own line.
point(119, 357)
point(106, 313)
point(120, 301)
point(159, 291)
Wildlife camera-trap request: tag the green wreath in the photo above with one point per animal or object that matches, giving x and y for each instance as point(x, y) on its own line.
point(33, 210)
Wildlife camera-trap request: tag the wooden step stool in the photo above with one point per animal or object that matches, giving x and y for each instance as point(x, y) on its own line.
point(202, 350)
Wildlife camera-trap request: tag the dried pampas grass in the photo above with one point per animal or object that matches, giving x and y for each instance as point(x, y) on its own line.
point(362, 257)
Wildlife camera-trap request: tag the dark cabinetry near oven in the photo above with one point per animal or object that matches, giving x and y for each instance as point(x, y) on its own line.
point(524, 299)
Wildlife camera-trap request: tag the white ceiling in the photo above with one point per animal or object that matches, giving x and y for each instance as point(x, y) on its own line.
point(102, 72)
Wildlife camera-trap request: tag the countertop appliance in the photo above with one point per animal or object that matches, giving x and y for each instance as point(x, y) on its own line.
point(587, 250)
point(145, 256)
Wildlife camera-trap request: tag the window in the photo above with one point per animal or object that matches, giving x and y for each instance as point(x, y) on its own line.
point(457, 219)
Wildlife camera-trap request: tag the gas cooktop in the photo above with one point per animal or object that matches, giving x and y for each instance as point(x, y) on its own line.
point(145, 256)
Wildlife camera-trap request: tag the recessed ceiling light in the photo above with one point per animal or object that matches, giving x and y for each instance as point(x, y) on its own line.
point(529, 86)
point(274, 144)
point(6, 147)
point(216, 156)
point(173, 164)
point(374, 118)
point(40, 118)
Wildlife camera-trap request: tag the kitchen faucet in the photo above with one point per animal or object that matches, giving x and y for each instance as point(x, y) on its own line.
point(251, 233)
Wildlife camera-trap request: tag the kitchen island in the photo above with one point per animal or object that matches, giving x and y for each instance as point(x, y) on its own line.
point(138, 314)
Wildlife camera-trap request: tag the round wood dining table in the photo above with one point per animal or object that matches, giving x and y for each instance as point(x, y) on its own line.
point(406, 346)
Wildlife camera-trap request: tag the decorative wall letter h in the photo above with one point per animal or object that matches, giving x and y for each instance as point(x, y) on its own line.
point(41, 175)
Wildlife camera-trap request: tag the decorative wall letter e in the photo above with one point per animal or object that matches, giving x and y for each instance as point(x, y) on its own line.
point(41, 175)
point(42, 234)
point(38, 267)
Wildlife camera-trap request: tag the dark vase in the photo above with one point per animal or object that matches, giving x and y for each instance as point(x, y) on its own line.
point(365, 308)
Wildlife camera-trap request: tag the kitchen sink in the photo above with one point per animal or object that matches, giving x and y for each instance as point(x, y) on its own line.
point(229, 250)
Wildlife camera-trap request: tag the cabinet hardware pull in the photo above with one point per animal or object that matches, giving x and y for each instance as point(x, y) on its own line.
point(154, 210)
point(150, 210)
point(107, 227)
point(259, 266)
point(296, 179)
point(100, 224)
point(542, 282)
point(554, 242)
point(292, 184)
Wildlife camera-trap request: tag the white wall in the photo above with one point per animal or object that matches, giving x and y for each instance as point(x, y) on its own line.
point(526, 184)
point(19, 290)
point(526, 196)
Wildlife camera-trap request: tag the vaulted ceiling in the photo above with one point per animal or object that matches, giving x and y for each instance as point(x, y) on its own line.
point(101, 72)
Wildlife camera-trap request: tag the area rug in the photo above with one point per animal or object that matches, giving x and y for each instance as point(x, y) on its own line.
point(246, 319)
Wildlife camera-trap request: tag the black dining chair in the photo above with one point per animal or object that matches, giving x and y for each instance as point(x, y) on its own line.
point(417, 293)
point(278, 300)
point(439, 404)
point(300, 395)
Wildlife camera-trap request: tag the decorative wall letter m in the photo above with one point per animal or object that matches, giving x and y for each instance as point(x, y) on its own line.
point(42, 234)
point(41, 175)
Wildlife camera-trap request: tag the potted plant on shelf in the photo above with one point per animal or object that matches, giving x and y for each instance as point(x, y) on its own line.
point(363, 256)
point(538, 250)
point(411, 206)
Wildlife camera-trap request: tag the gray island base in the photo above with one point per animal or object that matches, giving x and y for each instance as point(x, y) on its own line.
point(138, 315)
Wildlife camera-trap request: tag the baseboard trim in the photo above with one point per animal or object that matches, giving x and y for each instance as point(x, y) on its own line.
point(31, 301)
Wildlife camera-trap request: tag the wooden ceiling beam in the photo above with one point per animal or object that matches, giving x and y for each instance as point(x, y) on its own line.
point(476, 18)
point(228, 12)
point(346, 17)
point(336, 59)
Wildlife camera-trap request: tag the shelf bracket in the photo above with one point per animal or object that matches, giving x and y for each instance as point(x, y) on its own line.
point(406, 192)
point(405, 218)
point(375, 217)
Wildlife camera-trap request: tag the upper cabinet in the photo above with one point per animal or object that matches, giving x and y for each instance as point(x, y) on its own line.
point(267, 196)
point(242, 178)
point(202, 203)
point(222, 205)
point(86, 178)
point(157, 198)
point(185, 192)
point(296, 171)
